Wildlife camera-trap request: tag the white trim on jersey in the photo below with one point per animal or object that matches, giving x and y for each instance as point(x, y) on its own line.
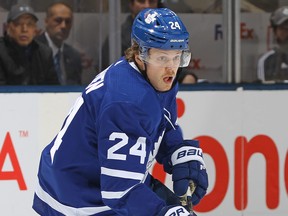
point(133, 65)
point(64, 209)
point(114, 194)
point(261, 65)
point(122, 174)
point(167, 118)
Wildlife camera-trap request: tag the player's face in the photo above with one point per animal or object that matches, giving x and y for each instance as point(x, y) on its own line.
point(23, 29)
point(162, 66)
point(59, 23)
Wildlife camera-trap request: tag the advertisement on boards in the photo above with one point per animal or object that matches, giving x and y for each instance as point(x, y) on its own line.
point(243, 135)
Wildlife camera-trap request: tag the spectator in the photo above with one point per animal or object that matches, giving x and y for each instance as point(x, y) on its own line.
point(187, 77)
point(24, 61)
point(273, 65)
point(135, 6)
point(67, 60)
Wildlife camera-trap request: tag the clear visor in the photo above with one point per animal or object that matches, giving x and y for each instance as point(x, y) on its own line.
point(180, 60)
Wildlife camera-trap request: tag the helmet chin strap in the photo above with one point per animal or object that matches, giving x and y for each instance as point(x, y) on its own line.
point(144, 72)
point(178, 74)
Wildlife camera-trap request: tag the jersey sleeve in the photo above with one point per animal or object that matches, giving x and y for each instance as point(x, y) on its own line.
point(124, 146)
point(173, 137)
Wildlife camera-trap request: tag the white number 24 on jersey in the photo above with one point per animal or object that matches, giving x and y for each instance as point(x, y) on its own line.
point(138, 149)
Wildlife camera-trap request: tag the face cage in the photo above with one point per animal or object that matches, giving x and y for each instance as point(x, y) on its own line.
point(184, 62)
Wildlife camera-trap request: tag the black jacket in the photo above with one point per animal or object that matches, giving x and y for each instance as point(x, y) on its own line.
point(72, 62)
point(32, 65)
point(273, 66)
point(126, 28)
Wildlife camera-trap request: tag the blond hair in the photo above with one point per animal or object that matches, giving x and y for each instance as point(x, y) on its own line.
point(132, 51)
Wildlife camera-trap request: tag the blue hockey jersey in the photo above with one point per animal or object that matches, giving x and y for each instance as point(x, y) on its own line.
point(98, 162)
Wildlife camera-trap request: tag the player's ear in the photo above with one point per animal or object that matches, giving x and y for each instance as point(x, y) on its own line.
point(138, 59)
point(139, 62)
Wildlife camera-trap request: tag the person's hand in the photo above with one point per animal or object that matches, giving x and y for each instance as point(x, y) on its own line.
point(174, 210)
point(188, 164)
point(185, 172)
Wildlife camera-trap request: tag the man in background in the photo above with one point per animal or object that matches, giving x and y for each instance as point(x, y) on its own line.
point(24, 61)
point(187, 77)
point(67, 60)
point(135, 6)
point(273, 65)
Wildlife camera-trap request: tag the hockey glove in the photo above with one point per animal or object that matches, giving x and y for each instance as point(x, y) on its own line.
point(174, 210)
point(188, 164)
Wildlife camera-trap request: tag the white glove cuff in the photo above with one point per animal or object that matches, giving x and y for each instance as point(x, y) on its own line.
point(187, 153)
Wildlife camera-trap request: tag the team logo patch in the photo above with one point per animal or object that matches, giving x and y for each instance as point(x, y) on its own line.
point(150, 18)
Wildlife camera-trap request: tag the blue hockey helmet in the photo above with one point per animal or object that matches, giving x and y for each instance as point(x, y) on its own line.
point(161, 28)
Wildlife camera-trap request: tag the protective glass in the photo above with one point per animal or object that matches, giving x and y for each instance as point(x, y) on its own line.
point(181, 60)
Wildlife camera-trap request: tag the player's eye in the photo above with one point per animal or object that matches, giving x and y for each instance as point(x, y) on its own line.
point(162, 59)
point(177, 58)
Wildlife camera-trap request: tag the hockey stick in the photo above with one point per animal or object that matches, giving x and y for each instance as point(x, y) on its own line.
point(185, 200)
point(170, 198)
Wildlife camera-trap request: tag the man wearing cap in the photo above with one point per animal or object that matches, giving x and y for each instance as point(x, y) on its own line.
point(273, 65)
point(24, 61)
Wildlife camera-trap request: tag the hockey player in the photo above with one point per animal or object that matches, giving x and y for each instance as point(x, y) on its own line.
point(98, 163)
